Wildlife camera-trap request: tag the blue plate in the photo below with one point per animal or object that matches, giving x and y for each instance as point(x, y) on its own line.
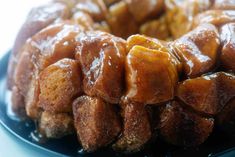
point(220, 143)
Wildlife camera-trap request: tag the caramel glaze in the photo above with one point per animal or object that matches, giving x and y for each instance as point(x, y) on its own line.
point(183, 127)
point(198, 50)
point(227, 33)
point(101, 54)
point(105, 74)
point(102, 57)
point(38, 19)
point(48, 46)
point(207, 94)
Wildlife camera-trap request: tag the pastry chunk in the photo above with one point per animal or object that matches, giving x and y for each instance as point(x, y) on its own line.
point(55, 125)
point(38, 19)
point(61, 44)
point(156, 28)
point(154, 44)
point(224, 4)
point(142, 10)
point(102, 59)
point(207, 94)
point(59, 84)
point(147, 42)
point(102, 26)
point(182, 127)
point(96, 122)
point(215, 17)
point(227, 115)
point(121, 21)
point(48, 46)
point(136, 128)
point(25, 69)
point(95, 8)
point(150, 75)
point(43, 49)
point(227, 56)
point(180, 14)
point(198, 50)
point(31, 100)
point(17, 100)
point(83, 19)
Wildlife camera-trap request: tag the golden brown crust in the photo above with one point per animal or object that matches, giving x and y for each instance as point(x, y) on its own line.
point(179, 126)
point(31, 99)
point(17, 100)
point(46, 47)
point(121, 21)
point(227, 115)
point(38, 19)
point(154, 44)
point(215, 17)
point(181, 13)
point(55, 125)
point(142, 10)
point(198, 50)
point(59, 84)
point(156, 28)
point(96, 122)
point(95, 8)
point(102, 55)
point(207, 94)
point(83, 19)
point(150, 76)
point(227, 57)
point(136, 128)
point(38, 53)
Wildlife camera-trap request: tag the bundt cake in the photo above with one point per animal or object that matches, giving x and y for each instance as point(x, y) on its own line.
point(100, 68)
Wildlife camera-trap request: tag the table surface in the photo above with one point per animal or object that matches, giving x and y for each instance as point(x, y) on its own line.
point(12, 15)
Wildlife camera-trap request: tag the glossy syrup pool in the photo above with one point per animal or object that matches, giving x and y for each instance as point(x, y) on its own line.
point(220, 143)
